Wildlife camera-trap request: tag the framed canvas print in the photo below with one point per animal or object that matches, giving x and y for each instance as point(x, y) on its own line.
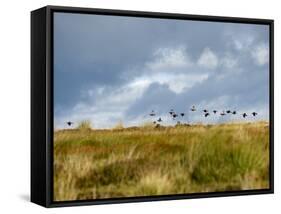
point(141, 106)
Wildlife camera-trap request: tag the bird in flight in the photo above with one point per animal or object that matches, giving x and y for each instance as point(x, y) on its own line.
point(207, 114)
point(182, 114)
point(174, 115)
point(234, 112)
point(152, 113)
point(222, 114)
point(215, 111)
point(205, 110)
point(244, 115)
point(159, 120)
point(193, 108)
point(69, 123)
point(254, 114)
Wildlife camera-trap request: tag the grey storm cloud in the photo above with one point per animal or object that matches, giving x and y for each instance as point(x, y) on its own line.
point(111, 68)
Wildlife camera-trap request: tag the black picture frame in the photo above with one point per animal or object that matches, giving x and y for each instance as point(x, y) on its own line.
point(42, 104)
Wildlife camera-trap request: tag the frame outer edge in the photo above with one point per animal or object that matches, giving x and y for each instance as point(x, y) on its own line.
point(49, 96)
point(271, 97)
point(48, 115)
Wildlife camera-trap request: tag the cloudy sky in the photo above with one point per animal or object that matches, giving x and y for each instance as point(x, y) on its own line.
point(109, 69)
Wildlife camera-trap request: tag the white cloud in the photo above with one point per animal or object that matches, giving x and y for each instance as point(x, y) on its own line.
point(243, 42)
point(229, 61)
point(106, 107)
point(171, 66)
point(176, 82)
point(239, 41)
point(260, 54)
point(169, 57)
point(246, 44)
point(208, 59)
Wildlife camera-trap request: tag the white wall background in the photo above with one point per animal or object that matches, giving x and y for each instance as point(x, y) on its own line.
point(15, 105)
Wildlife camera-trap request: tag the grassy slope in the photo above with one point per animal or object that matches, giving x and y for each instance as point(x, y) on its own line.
point(148, 161)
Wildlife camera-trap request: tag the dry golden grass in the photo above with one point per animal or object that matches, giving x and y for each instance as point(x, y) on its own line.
point(143, 161)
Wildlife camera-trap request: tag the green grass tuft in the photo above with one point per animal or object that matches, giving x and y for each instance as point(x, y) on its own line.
point(84, 125)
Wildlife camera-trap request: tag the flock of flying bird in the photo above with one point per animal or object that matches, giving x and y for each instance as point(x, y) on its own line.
point(206, 113)
point(174, 115)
